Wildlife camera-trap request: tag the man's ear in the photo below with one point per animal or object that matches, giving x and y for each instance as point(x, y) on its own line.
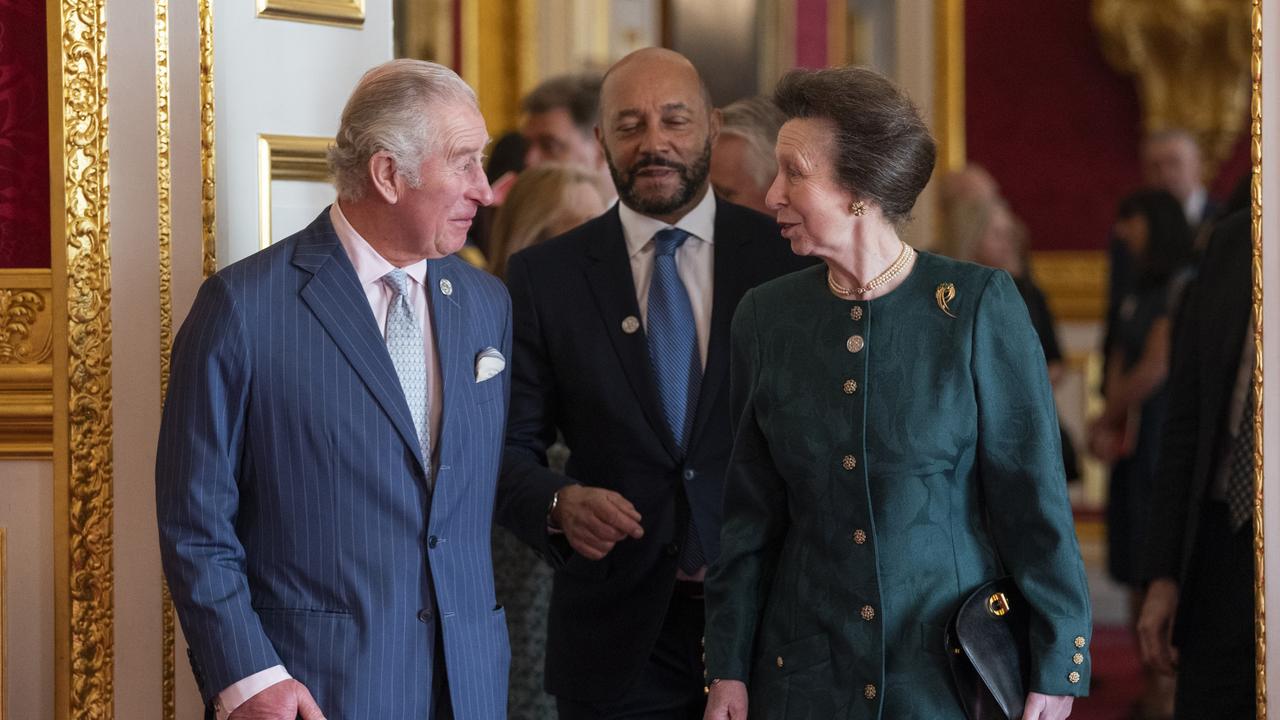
point(714, 122)
point(383, 176)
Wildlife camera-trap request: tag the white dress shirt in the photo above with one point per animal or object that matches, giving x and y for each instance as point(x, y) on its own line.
point(370, 268)
point(695, 260)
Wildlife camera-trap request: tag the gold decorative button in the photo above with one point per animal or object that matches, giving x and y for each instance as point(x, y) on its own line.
point(868, 613)
point(849, 462)
point(1074, 677)
point(1077, 659)
point(869, 691)
point(850, 387)
point(859, 536)
point(854, 343)
point(779, 661)
point(856, 312)
point(1079, 641)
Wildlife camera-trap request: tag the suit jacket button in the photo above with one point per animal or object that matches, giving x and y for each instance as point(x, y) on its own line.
point(425, 616)
point(672, 549)
point(688, 474)
point(432, 542)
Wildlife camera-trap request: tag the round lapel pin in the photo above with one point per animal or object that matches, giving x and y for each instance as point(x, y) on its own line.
point(630, 324)
point(446, 287)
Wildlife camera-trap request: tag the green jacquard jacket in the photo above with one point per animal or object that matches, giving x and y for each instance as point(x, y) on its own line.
point(890, 456)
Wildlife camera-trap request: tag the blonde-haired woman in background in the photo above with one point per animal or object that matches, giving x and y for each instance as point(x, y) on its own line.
point(544, 201)
point(985, 231)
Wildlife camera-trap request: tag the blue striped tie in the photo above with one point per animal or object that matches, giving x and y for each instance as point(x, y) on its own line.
point(673, 353)
point(408, 355)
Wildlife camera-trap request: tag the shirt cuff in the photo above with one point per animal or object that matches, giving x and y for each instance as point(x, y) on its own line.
point(238, 693)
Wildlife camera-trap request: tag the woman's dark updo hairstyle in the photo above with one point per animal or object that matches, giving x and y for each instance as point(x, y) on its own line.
point(883, 150)
point(1169, 240)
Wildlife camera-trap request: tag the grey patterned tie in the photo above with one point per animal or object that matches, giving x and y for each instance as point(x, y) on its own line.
point(1240, 472)
point(404, 343)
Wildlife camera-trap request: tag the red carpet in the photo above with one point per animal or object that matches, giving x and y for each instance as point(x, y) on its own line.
point(1117, 676)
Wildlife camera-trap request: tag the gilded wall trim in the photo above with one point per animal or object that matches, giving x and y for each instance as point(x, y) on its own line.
point(345, 13)
point(1259, 564)
point(1074, 281)
point(208, 207)
point(287, 157)
point(1190, 63)
point(949, 84)
point(164, 237)
point(82, 460)
point(26, 364)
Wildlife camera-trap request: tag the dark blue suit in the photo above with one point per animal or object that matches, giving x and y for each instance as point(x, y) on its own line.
point(297, 526)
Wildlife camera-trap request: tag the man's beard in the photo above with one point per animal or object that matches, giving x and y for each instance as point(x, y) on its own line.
point(692, 178)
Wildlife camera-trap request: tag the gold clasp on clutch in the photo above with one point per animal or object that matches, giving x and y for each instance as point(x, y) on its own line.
point(998, 604)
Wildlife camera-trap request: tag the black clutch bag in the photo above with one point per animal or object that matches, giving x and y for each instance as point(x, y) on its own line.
point(989, 653)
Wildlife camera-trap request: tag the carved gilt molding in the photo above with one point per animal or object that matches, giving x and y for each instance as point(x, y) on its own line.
point(26, 364)
point(1191, 62)
point(1074, 282)
point(84, 625)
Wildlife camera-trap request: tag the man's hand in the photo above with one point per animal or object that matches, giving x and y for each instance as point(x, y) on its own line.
point(1155, 626)
point(1047, 707)
point(595, 519)
point(286, 700)
point(727, 701)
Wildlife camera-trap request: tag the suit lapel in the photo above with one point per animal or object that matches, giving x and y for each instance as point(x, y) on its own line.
point(334, 296)
point(609, 275)
point(449, 327)
point(728, 286)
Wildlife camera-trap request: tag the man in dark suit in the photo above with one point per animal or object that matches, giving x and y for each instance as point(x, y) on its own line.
point(332, 436)
point(1197, 618)
point(622, 344)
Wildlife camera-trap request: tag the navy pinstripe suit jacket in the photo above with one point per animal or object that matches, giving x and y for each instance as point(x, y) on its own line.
point(296, 523)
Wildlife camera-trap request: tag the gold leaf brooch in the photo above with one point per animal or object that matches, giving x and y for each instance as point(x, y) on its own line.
point(945, 293)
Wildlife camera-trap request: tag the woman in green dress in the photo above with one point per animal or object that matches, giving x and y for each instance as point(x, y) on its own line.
point(897, 445)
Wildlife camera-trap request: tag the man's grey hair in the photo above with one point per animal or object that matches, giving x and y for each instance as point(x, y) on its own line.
point(756, 120)
point(391, 110)
point(1171, 134)
point(578, 95)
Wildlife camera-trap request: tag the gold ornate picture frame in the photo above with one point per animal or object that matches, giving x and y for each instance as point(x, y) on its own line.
point(287, 157)
point(344, 13)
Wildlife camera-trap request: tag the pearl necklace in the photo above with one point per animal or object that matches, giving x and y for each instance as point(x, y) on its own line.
point(890, 273)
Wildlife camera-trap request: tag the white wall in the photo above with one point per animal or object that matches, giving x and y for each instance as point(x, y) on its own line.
point(286, 78)
point(26, 513)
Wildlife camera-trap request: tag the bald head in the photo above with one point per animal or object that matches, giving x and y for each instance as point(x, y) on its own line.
point(657, 126)
point(646, 64)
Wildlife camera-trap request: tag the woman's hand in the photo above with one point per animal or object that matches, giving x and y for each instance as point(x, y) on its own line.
point(727, 701)
point(1047, 707)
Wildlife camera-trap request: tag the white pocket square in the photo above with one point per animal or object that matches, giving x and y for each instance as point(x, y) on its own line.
point(489, 362)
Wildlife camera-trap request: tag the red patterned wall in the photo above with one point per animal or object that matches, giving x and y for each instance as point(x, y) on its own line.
point(24, 136)
point(1056, 126)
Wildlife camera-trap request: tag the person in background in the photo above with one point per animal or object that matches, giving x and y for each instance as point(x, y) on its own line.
point(1154, 230)
point(622, 346)
point(1197, 619)
point(986, 232)
point(558, 126)
point(742, 161)
point(544, 202)
point(896, 445)
point(1171, 162)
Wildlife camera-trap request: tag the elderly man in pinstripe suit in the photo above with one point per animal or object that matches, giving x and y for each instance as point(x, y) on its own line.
point(332, 434)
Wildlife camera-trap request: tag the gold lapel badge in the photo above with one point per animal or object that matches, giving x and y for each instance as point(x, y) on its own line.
point(945, 293)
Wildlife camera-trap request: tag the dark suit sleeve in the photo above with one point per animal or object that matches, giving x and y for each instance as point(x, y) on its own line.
point(197, 495)
point(1176, 463)
point(755, 519)
point(526, 485)
point(1023, 488)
